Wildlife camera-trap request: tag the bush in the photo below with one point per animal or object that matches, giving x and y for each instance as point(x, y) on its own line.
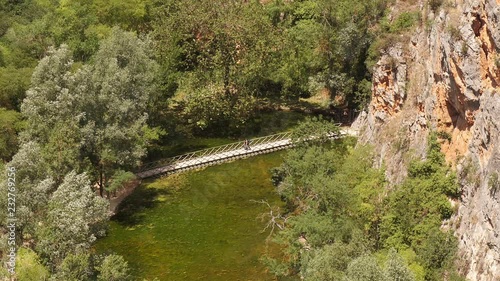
point(444, 135)
point(437, 249)
point(113, 268)
point(29, 267)
point(404, 21)
point(435, 4)
point(378, 47)
point(455, 33)
point(465, 48)
point(493, 183)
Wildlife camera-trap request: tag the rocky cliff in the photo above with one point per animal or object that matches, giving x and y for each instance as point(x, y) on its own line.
point(445, 77)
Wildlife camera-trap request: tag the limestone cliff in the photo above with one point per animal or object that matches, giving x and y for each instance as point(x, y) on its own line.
point(446, 78)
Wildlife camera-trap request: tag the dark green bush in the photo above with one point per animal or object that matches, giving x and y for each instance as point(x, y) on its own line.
point(435, 4)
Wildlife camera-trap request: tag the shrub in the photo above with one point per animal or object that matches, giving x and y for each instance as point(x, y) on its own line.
point(493, 183)
point(378, 47)
point(404, 21)
point(444, 135)
point(464, 49)
point(455, 33)
point(435, 4)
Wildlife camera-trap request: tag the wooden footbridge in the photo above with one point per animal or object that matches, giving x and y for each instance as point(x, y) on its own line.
point(223, 153)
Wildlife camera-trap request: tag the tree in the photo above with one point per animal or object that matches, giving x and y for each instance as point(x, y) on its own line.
point(215, 52)
point(75, 218)
point(51, 99)
point(209, 110)
point(329, 263)
point(331, 205)
point(365, 268)
point(30, 41)
point(114, 96)
point(113, 268)
point(28, 266)
point(53, 112)
point(128, 14)
point(74, 23)
point(437, 249)
point(33, 185)
point(75, 267)
point(300, 57)
point(396, 269)
point(10, 126)
point(13, 84)
point(101, 107)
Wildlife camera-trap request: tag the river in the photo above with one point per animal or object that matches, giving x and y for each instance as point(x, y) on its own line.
point(200, 225)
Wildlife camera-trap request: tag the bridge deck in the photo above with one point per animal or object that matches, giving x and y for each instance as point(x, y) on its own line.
point(217, 155)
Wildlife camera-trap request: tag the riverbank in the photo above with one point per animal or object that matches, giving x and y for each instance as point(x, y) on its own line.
point(114, 201)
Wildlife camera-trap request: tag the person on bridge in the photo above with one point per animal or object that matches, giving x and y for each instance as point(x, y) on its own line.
point(247, 144)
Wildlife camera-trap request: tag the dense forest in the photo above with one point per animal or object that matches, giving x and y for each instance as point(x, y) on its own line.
point(341, 223)
point(217, 63)
point(91, 89)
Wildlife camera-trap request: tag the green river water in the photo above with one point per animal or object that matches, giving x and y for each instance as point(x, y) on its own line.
point(200, 225)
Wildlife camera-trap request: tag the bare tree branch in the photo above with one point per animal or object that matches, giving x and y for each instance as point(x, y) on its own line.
point(274, 218)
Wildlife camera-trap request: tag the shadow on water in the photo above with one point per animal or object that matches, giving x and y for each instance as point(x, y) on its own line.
point(131, 210)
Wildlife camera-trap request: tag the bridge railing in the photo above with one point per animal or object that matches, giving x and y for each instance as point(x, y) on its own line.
point(215, 150)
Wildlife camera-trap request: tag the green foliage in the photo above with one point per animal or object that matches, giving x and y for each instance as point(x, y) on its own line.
point(331, 261)
point(75, 267)
point(389, 35)
point(404, 21)
point(119, 178)
point(320, 129)
point(417, 208)
point(274, 266)
point(28, 266)
point(33, 188)
point(211, 110)
point(444, 135)
point(396, 269)
point(65, 102)
point(437, 249)
point(251, 49)
point(47, 101)
point(216, 57)
point(365, 268)
point(378, 47)
point(338, 202)
point(128, 14)
point(10, 126)
point(113, 268)
point(75, 218)
point(13, 84)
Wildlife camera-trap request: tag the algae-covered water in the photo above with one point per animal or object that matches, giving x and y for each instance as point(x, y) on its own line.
point(201, 225)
